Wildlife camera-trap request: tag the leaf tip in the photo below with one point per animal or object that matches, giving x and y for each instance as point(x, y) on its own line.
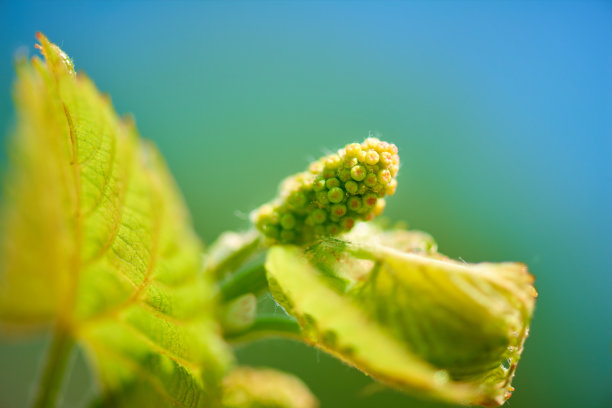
point(54, 56)
point(40, 37)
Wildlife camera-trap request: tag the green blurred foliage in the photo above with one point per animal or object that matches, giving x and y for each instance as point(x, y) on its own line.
point(501, 112)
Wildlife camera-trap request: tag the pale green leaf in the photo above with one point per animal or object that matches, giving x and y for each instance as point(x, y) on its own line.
point(247, 387)
point(390, 305)
point(97, 242)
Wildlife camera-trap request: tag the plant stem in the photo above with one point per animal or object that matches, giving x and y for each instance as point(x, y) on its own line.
point(251, 280)
point(269, 326)
point(54, 369)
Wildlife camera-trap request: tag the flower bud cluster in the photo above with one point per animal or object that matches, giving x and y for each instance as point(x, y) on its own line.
point(335, 192)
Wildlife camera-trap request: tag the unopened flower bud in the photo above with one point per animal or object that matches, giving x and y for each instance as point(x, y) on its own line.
point(332, 195)
point(370, 180)
point(386, 158)
point(384, 176)
point(318, 184)
point(353, 149)
point(362, 156)
point(371, 157)
point(351, 187)
point(347, 223)
point(322, 197)
point(287, 221)
point(319, 216)
point(344, 175)
point(391, 187)
point(358, 172)
point(369, 200)
point(333, 229)
point(332, 182)
point(333, 162)
point(350, 163)
point(339, 210)
point(354, 203)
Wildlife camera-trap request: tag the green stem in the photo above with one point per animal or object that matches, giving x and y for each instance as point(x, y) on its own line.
point(54, 369)
point(269, 326)
point(251, 280)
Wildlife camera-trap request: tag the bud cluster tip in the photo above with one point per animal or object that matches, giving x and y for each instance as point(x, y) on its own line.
point(336, 191)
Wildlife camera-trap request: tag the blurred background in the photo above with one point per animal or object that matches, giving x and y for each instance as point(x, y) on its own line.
point(502, 112)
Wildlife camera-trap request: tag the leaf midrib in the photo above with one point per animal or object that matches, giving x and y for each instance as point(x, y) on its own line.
point(77, 264)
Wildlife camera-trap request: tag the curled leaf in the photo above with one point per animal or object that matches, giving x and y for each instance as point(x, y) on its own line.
point(247, 387)
point(390, 305)
point(97, 243)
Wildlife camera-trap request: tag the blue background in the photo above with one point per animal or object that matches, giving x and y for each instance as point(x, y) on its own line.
point(502, 112)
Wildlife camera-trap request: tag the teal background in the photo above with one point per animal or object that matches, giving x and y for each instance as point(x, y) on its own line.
point(502, 112)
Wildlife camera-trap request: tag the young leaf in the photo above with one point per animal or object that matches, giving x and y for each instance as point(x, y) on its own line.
point(391, 306)
point(247, 387)
point(97, 244)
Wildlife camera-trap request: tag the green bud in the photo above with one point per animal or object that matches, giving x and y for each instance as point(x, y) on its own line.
point(369, 200)
point(329, 173)
point(333, 229)
point(386, 159)
point(333, 162)
point(347, 223)
point(394, 169)
point(371, 157)
point(316, 167)
point(351, 187)
point(318, 184)
point(362, 189)
point(384, 176)
point(271, 231)
point(391, 187)
point(338, 210)
point(335, 195)
point(287, 221)
point(319, 216)
point(370, 143)
point(344, 175)
point(354, 203)
point(287, 235)
point(379, 207)
point(334, 218)
point(353, 150)
point(320, 199)
point(332, 182)
point(350, 163)
point(370, 180)
point(297, 199)
point(362, 156)
point(358, 172)
point(267, 216)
